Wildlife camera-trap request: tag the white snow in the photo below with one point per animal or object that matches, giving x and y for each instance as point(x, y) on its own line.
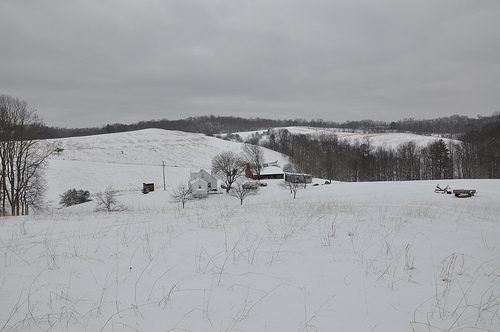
point(382, 256)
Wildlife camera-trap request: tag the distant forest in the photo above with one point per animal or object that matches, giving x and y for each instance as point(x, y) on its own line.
point(478, 156)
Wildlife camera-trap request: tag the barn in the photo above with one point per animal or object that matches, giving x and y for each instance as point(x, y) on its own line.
point(271, 170)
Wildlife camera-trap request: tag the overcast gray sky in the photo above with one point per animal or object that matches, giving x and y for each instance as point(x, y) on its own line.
point(87, 63)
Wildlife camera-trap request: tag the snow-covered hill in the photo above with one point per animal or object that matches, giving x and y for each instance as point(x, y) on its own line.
point(385, 140)
point(126, 160)
point(386, 256)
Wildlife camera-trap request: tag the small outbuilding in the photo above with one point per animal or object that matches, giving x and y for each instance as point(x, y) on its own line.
point(147, 187)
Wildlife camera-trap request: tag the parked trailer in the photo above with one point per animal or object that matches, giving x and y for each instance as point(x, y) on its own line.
point(464, 192)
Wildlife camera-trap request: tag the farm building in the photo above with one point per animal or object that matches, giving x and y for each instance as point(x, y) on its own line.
point(198, 188)
point(271, 171)
point(298, 177)
point(148, 187)
point(201, 183)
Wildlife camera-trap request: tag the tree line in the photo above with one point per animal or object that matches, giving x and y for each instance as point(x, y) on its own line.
point(327, 156)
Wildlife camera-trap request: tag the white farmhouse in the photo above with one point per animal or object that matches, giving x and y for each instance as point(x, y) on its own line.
point(201, 183)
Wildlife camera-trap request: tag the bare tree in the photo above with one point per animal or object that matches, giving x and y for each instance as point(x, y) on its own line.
point(22, 155)
point(107, 200)
point(239, 191)
point(228, 166)
point(293, 186)
point(408, 155)
point(254, 156)
point(34, 193)
point(181, 194)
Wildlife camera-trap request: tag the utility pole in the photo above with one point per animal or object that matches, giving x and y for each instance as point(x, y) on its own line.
point(163, 166)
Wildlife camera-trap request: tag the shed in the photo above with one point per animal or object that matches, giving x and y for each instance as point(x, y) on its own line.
point(148, 187)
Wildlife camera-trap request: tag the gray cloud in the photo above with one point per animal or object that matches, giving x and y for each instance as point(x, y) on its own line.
point(88, 63)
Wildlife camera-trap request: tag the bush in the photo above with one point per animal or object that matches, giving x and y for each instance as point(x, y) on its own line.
point(74, 197)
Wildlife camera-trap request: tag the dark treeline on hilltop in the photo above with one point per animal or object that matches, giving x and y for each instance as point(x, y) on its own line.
point(453, 125)
point(209, 125)
point(212, 125)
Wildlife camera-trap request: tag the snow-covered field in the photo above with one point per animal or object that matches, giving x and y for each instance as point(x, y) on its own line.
point(391, 256)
